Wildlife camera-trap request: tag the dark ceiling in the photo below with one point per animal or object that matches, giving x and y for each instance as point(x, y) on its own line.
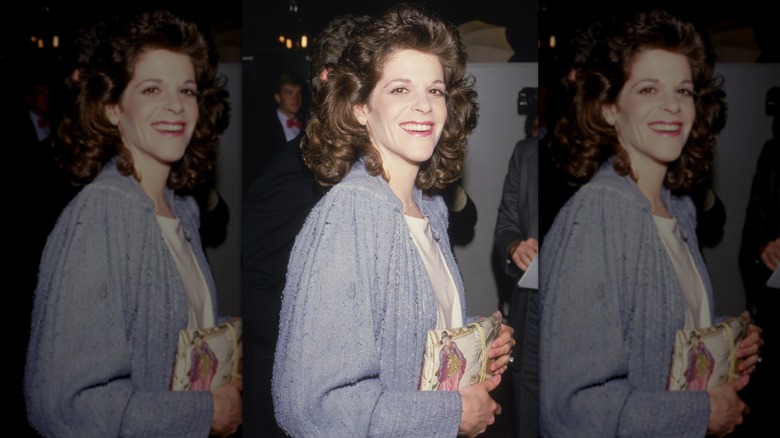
point(270, 18)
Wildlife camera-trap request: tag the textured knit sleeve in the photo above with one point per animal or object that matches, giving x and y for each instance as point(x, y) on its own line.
point(332, 357)
point(80, 378)
point(591, 356)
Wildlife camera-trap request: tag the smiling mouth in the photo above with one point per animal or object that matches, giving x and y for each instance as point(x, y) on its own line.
point(671, 128)
point(417, 127)
point(173, 128)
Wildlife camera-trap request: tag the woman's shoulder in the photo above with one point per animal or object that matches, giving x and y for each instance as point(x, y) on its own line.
point(353, 207)
point(109, 199)
point(609, 181)
point(608, 205)
point(609, 191)
point(110, 184)
point(367, 189)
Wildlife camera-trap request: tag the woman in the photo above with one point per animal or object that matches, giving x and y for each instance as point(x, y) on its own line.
point(124, 271)
point(390, 124)
point(643, 124)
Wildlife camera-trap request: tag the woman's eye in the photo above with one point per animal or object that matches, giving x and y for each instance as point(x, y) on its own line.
point(436, 91)
point(686, 92)
point(189, 92)
point(151, 90)
point(647, 90)
point(399, 90)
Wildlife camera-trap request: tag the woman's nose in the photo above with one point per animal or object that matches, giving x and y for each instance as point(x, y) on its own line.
point(423, 104)
point(671, 103)
point(174, 103)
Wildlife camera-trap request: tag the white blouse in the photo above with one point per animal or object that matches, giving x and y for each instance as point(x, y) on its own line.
point(697, 306)
point(448, 307)
point(201, 310)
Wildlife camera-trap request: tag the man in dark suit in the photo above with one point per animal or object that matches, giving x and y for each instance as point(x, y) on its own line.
point(516, 240)
point(280, 126)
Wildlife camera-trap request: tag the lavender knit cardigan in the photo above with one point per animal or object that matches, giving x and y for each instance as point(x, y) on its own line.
point(611, 303)
point(108, 309)
point(355, 312)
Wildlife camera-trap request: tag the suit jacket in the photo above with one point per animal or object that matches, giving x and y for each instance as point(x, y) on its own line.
point(257, 157)
point(762, 225)
point(518, 214)
point(518, 219)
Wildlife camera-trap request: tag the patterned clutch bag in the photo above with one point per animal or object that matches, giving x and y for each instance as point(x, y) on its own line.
point(458, 357)
point(208, 358)
point(707, 357)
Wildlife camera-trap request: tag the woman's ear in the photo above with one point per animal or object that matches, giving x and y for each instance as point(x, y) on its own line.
point(609, 112)
point(361, 113)
point(112, 113)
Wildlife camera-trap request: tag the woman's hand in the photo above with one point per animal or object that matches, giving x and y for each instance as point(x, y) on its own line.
point(479, 410)
point(228, 409)
point(747, 356)
point(501, 349)
point(726, 408)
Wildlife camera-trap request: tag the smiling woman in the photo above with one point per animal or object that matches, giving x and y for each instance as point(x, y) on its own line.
point(373, 264)
point(654, 112)
point(621, 270)
point(124, 270)
point(405, 114)
point(156, 116)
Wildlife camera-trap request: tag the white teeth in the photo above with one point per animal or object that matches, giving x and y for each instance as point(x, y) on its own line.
point(416, 127)
point(168, 127)
point(666, 127)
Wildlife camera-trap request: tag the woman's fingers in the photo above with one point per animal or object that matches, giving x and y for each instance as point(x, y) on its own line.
point(748, 353)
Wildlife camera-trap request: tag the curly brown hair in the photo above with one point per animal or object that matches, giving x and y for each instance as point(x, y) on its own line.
point(335, 139)
point(326, 51)
point(88, 140)
point(583, 137)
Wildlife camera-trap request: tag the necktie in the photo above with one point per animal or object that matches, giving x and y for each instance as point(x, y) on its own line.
point(293, 122)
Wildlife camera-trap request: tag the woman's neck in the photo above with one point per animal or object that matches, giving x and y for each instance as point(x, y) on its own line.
point(402, 185)
point(153, 182)
point(650, 183)
point(649, 175)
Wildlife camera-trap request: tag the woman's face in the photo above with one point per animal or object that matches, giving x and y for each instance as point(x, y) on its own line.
point(158, 110)
point(406, 111)
point(655, 109)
